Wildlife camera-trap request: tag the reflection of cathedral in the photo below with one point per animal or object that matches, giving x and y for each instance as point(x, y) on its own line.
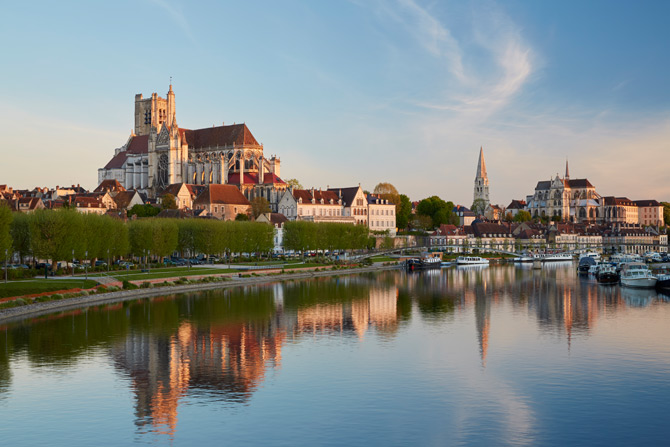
point(228, 361)
point(159, 153)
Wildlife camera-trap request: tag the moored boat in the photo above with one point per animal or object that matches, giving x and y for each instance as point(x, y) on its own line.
point(663, 282)
point(471, 260)
point(638, 275)
point(585, 264)
point(607, 274)
point(423, 263)
point(554, 257)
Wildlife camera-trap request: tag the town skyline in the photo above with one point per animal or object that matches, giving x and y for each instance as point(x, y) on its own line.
point(406, 78)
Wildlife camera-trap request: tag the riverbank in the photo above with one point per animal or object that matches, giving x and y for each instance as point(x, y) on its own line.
point(41, 308)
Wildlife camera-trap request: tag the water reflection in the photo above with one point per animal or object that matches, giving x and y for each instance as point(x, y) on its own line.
point(220, 346)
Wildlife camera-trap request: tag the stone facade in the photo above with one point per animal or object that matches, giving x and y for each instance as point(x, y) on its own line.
point(159, 153)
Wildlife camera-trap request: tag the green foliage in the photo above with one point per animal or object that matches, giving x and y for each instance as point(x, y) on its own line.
point(478, 207)
point(306, 236)
point(20, 232)
point(146, 210)
point(294, 183)
point(666, 212)
point(522, 216)
point(168, 202)
point(259, 205)
point(403, 212)
point(5, 229)
point(56, 234)
point(439, 211)
point(241, 217)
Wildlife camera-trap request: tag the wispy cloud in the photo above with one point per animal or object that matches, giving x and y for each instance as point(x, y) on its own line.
point(177, 16)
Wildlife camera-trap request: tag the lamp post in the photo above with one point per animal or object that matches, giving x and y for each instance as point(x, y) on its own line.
point(86, 265)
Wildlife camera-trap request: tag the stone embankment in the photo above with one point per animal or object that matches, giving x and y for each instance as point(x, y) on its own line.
point(41, 308)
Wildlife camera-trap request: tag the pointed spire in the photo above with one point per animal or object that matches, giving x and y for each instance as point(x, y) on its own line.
point(481, 165)
point(567, 170)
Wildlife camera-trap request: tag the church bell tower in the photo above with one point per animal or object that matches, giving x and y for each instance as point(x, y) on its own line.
point(481, 180)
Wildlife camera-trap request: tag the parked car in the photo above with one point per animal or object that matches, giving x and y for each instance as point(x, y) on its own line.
point(100, 264)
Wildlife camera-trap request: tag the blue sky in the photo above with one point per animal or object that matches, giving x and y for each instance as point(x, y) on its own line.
point(348, 92)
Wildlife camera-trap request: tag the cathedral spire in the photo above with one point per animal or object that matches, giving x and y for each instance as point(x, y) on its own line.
point(481, 165)
point(567, 171)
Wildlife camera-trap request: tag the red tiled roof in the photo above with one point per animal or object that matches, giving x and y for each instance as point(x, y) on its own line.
point(123, 198)
point(306, 196)
point(252, 177)
point(117, 161)
point(109, 185)
point(222, 194)
point(237, 134)
point(139, 145)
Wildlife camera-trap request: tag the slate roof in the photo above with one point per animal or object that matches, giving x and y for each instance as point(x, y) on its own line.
point(517, 205)
point(109, 185)
point(347, 194)
point(237, 134)
point(124, 198)
point(647, 203)
point(481, 229)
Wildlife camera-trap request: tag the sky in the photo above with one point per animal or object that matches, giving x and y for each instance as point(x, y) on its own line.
point(348, 92)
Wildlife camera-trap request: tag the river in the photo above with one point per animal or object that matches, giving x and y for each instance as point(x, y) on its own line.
point(500, 355)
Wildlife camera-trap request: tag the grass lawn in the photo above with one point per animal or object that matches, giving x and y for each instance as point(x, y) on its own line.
point(29, 287)
point(137, 275)
point(383, 259)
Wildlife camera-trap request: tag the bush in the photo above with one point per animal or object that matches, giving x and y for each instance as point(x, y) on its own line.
point(146, 285)
point(20, 302)
point(113, 289)
point(57, 296)
point(127, 285)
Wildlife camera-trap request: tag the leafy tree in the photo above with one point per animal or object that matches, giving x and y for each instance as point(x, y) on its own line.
point(439, 211)
point(241, 217)
point(140, 236)
point(5, 229)
point(168, 202)
point(294, 183)
point(478, 207)
point(403, 212)
point(421, 222)
point(522, 216)
point(146, 210)
point(259, 205)
point(666, 212)
point(55, 234)
point(509, 217)
point(20, 232)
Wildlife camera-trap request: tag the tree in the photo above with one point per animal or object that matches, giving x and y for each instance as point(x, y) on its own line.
point(241, 217)
point(403, 212)
point(56, 234)
point(21, 234)
point(259, 205)
point(509, 217)
point(146, 210)
point(5, 229)
point(168, 202)
point(478, 207)
point(421, 222)
point(294, 183)
point(666, 212)
point(439, 211)
point(522, 216)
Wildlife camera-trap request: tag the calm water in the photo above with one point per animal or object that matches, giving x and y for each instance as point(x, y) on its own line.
point(494, 356)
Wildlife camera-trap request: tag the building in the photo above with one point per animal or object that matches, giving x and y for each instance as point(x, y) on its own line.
point(381, 215)
point(277, 220)
point(573, 200)
point(312, 204)
point(159, 153)
point(620, 210)
point(223, 202)
point(650, 212)
point(184, 194)
point(481, 181)
point(465, 216)
point(515, 206)
point(355, 203)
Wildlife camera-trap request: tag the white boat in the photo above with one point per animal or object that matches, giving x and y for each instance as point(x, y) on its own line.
point(554, 257)
point(591, 254)
point(471, 260)
point(593, 270)
point(637, 274)
point(523, 258)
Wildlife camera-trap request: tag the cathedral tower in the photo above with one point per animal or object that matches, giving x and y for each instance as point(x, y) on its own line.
point(481, 180)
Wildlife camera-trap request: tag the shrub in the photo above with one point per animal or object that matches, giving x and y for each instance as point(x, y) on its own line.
point(20, 302)
point(146, 285)
point(113, 289)
point(57, 296)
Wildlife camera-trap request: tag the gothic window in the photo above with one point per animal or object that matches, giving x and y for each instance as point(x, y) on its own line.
point(211, 176)
point(163, 169)
point(147, 117)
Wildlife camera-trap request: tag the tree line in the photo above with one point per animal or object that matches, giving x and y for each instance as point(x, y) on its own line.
point(59, 235)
